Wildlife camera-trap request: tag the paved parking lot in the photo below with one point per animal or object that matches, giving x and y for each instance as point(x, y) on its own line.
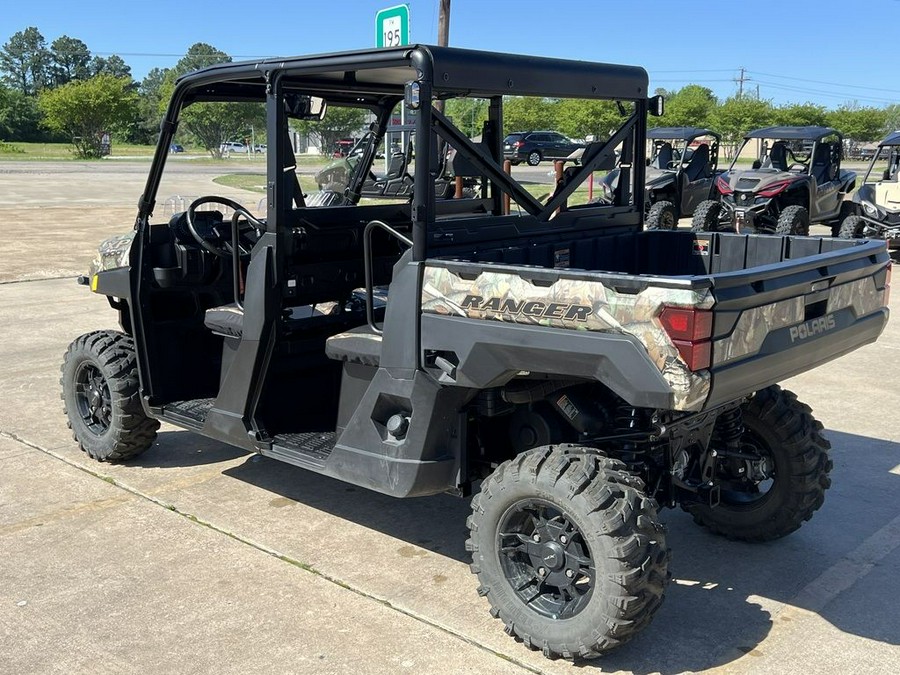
point(197, 557)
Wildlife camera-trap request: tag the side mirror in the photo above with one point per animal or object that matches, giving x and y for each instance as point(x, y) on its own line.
point(756, 164)
point(300, 107)
point(657, 105)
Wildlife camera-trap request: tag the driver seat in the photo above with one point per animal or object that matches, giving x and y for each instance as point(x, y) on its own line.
point(778, 156)
point(663, 157)
point(698, 166)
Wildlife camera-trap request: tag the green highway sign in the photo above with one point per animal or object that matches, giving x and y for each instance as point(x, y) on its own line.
point(392, 26)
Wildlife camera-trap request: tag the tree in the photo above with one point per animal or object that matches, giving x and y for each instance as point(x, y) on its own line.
point(19, 116)
point(69, 59)
point(581, 118)
point(199, 55)
point(527, 113)
point(210, 124)
point(891, 118)
point(800, 115)
point(151, 90)
point(24, 60)
point(468, 114)
point(859, 123)
point(339, 122)
point(738, 115)
point(690, 106)
point(114, 66)
point(85, 110)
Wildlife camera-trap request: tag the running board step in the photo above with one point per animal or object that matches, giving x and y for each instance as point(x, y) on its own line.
point(188, 413)
point(307, 450)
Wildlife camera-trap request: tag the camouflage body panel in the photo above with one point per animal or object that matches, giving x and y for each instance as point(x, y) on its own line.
point(576, 304)
point(862, 295)
point(754, 325)
point(112, 253)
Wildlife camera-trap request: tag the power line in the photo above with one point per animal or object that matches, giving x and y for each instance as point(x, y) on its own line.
point(692, 81)
point(178, 56)
point(714, 70)
point(802, 79)
point(827, 94)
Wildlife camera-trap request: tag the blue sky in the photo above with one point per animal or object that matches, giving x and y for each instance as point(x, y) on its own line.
point(799, 50)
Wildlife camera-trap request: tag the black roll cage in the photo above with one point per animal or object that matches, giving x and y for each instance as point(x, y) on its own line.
point(377, 79)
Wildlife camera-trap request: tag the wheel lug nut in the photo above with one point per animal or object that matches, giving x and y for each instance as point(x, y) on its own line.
point(536, 536)
point(541, 571)
point(570, 573)
point(563, 539)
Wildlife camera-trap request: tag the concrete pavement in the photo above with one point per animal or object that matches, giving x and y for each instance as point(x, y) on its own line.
point(197, 557)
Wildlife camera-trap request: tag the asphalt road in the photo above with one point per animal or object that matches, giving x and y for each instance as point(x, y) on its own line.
point(197, 557)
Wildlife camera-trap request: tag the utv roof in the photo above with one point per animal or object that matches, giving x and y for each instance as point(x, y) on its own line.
point(794, 133)
point(681, 133)
point(451, 70)
point(892, 138)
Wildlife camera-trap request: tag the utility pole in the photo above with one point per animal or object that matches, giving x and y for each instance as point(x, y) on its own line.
point(444, 23)
point(740, 82)
point(443, 36)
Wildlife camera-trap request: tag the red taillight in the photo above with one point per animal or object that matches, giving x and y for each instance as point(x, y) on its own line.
point(723, 186)
point(696, 355)
point(775, 188)
point(690, 330)
point(686, 324)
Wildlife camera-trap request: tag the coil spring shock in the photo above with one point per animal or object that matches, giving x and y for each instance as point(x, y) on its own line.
point(627, 419)
point(730, 427)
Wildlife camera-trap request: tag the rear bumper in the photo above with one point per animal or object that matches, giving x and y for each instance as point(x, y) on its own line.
point(777, 361)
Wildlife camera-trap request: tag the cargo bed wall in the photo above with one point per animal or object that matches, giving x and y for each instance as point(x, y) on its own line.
point(657, 253)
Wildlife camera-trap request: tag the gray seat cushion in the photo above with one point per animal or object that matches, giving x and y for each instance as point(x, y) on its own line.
point(226, 320)
point(359, 345)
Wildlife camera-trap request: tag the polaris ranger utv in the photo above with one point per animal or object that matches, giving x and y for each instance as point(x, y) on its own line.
point(680, 175)
point(576, 372)
point(796, 179)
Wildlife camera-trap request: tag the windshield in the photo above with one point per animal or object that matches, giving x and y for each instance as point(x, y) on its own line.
point(885, 166)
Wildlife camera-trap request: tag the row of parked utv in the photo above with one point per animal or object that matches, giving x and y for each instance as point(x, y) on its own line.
point(795, 179)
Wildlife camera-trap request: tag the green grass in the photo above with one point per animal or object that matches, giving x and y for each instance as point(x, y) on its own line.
point(256, 182)
point(10, 149)
point(64, 151)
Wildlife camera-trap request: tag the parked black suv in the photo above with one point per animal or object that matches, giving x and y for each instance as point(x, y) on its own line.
point(533, 146)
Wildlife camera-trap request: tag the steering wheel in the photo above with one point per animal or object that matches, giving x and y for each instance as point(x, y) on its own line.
point(220, 243)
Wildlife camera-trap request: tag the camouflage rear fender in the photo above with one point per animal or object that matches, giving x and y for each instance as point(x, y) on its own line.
point(576, 304)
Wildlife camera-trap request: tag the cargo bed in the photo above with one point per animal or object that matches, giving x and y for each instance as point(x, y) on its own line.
point(779, 306)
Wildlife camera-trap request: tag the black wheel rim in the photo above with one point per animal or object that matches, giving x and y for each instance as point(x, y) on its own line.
point(668, 220)
point(545, 559)
point(749, 482)
point(92, 398)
